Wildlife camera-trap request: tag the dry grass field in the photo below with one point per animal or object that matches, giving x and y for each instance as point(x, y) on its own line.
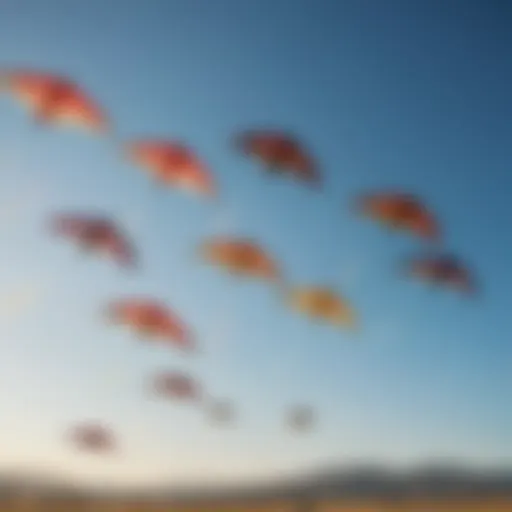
point(360, 505)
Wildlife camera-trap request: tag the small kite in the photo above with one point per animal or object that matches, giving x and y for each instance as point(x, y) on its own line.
point(172, 164)
point(444, 270)
point(54, 99)
point(176, 385)
point(240, 257)
point(301, 418)
point(400, 211)
point(150, 319)
point(280, 153)
point(95, 234)
point(93, 438)
point(221, 411)
point(321, 303)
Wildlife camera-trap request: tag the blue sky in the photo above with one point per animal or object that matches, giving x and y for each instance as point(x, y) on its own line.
point(409, 94)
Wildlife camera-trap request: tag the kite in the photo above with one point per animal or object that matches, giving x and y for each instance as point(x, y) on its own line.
point(95, 234)
point(400, 211)
point(93, 437)
point(176, 385)
point(444, 270)
point(240, 257)
point(280, 153)
point(150, 319)
point(221, 411)
point(301, 418)
point(172, 164)
point(321, 303)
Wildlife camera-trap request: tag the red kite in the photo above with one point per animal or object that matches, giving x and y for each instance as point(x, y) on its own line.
point(55, 99)
point(151, 319)
point(173, 164)
point(442, 270)
point(177, 385)
point(240, 257)
point(322, 304)
point(221, 411)
point(95, 234)
point(280, 153)
point(301, 418)
point(400, 211)
point(93, 437)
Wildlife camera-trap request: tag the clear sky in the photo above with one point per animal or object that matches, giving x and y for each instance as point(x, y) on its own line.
point(407, 93)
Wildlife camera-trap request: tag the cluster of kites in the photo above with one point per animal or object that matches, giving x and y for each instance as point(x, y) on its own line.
point(171, 164)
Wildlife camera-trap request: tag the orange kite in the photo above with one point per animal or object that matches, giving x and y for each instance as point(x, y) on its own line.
point(172, 164)
point(241, 257)
point(150, 319)
point(321, 303)
point(54, 99)
point(400, 211)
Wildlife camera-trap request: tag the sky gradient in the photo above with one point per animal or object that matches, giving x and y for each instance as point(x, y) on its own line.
point(412, 94)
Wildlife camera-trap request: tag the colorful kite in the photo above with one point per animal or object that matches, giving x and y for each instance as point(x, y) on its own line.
point(54, 99)
point(240, 257)
point(95, 234)
point(172, 164)
point(400, 211)
point(321, 303)
point(151, 320)
point(444, 270)
point(280, 153)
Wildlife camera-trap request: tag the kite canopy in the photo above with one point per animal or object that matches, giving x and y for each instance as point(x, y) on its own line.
point(93, 437)
point(172, 164)
point(279, 152)
point(240, 257)
point(322, 304)
point(176, 385)
point(400, 211)
point(54, 99)
point(301, 418)
point(151, 319)
point(96, 234)
point(221, 411)
point(444, 270)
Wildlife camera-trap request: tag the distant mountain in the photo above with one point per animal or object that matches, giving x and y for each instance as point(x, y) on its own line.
point(363, 481)
point(371, 481)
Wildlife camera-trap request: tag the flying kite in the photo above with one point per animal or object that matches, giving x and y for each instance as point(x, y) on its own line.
point(97, 234)
point(241, 257)
point(323, 304)
point(301, 418)
point(280, 153)
point(443, 270)
point(172, 164)
point(400, 211)
point(93, 437)
point(177, 386)
point(150, 319)
point(54, 99)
